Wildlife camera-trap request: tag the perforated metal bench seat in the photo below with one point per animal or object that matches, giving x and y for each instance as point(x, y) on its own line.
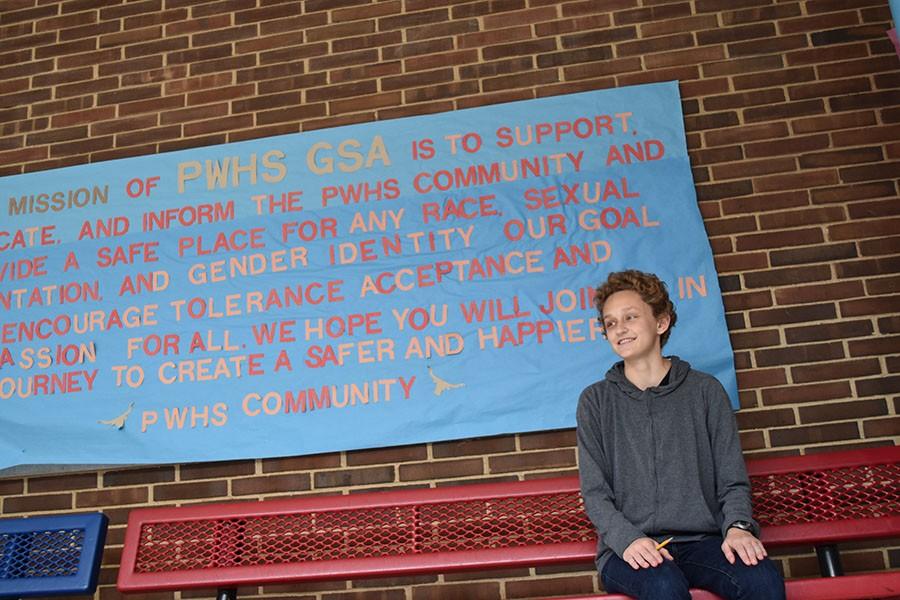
point(816, 499)
point(49, 556)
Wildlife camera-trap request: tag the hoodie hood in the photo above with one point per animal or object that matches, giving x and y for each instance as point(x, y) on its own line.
point(678, 372)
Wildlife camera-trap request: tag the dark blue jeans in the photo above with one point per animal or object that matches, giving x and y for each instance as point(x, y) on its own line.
point(696, 564)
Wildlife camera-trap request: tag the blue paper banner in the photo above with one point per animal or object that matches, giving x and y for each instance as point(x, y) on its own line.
point(415, 280)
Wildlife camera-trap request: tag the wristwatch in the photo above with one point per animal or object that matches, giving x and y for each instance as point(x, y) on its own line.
point(745, 525)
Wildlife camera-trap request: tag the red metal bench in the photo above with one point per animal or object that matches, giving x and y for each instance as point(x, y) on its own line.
point(814, 500)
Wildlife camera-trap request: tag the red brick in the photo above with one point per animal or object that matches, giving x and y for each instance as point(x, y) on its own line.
point(477, 446)
point(862, 268)
point(301, 463)
point(838, 370)
point(193, 25)
point(823, 432)
point(870, 306)
point(354, 477)
point(9, 487)
point(793, 314)
point(875, 347)
point(568, 57)
point(442, 469)
point(779, 239)
point(475, 9)
point(169, 44)
point(878, 208)
point(158, 134)
point(124, 124)
point(190, 491)
point(862, 191)
point(765, 419)
point(887, 427)
point(560, 26)
point(834, 122)
point(111, 497)
point(809, 393)
point(797, 218)
point(294, 23)
point(885, 285)
point(612, 35)
point(842, 411)
point(83, 88)
point(547, 439)
point(752, 168)
point(531, 461)
point(193, 114)
point(436, 92)
point(864, 66)
point(387, 455)
point(885, 245)
point(729, 263)
point(521, 17)
point(785, 110)
point(500, 67)
point(796, 181)
point(842, 35)
point(370, 43)
point(685, 57)
point(484, 590)
point(828, 331)
point(863, 229)
point(367, 11)
point(298, 113)
point(194, 142)
point(777, 77)
point(460, 57)
point(64, 21)
point(718, 191)
point(270, 484)
point(156, 18)
point(59, 483)
point(262, 73)
point(817, 23)
point(833, 88)
point(80, 117)
point(679, 73)
point(799, 354)
point(139, 65)
point(36, 503)
point(550, 586)
point(747, 300)
point(138, 476)
point(761, 378)
point(417, 79)
point(80, 146)
point(518, 49)
point(819, 292)
point(745, 133)
point(57, 135)
point(878, 386)
point(793, 146)
point(370, 102)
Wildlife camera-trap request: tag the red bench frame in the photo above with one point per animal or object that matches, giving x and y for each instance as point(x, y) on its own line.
point(559, 529)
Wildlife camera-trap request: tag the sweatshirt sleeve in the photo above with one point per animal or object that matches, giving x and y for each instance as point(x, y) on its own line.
point(732, 483)
point(614, 529)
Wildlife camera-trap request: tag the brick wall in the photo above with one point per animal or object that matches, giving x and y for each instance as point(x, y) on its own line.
point(792, 113)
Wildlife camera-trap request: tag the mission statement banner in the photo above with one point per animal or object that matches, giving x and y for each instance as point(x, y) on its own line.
point(407, 281)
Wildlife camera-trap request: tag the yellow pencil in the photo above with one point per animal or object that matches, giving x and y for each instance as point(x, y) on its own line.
point(663, 544)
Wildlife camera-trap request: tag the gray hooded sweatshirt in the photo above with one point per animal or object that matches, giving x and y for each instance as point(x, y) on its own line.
point(662, 461)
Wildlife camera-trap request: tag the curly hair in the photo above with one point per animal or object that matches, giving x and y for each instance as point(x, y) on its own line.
point(650, 288)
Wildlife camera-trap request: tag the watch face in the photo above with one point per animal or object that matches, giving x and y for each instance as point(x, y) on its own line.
point(742, 525)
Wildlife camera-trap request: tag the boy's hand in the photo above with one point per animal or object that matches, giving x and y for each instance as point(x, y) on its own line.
point(642, 554)
point(745, 545)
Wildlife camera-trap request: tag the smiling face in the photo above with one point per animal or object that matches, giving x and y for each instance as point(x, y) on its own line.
point(631, 328)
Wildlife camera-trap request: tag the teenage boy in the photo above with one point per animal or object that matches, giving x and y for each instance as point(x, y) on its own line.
point(660, 458)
